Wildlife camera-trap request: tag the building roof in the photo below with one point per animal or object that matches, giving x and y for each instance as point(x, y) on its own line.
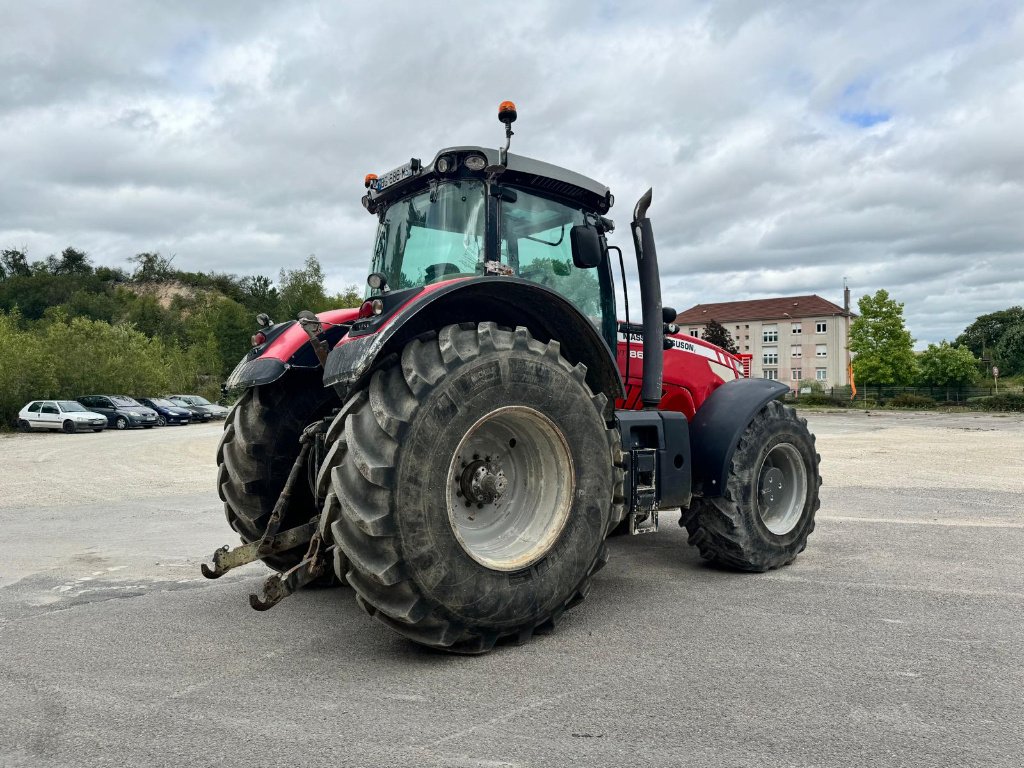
point(760, 309)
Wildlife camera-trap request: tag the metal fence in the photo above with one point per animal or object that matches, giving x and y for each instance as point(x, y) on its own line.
point(938, 394)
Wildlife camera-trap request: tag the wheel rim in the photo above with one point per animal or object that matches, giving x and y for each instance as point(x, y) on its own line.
point(122, 423)
point(781, 488)
point(510, 487)
point(161, 421)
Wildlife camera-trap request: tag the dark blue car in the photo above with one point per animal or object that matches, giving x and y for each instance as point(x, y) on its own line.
point(166, 411)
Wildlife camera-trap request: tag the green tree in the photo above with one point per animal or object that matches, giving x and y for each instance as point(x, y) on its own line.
point(1010, 351)
point(984, 334)
point(348, 298)
point(228, 324)
point(14, 262)
point(151, 267)
point(944, 365)
point(883, 347)
point(302, 289)
point(259, 294)
point(718, 335)
point(70, 262)
point(27, 368)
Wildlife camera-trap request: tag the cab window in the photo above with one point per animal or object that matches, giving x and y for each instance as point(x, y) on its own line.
point(34, 408)
point(49, 408)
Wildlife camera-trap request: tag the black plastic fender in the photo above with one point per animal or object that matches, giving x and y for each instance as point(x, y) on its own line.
point(505, 301)
point(718, 424)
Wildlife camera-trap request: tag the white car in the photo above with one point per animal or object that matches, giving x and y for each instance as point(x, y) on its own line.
point(60, 414)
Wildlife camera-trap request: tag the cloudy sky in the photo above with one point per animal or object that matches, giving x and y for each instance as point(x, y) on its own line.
point(789, 144)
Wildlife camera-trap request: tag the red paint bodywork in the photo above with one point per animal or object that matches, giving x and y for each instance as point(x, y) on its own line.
point(688, 377)
point(288, 343)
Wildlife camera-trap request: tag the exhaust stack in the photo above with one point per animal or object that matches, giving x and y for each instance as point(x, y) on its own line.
point(650, 302)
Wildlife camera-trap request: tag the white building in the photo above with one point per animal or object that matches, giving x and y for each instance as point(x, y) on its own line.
point(789, 339)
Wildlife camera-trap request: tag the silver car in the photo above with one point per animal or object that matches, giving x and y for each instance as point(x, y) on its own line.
point(66, 415)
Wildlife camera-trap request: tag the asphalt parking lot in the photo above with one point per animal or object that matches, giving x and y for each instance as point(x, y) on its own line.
point(896, 639)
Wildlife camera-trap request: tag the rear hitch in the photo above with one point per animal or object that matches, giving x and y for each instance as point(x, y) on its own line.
point(272, 542)
point(277, 587)
point(225, 558)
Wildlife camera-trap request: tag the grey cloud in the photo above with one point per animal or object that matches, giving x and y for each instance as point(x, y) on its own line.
point(236, 135)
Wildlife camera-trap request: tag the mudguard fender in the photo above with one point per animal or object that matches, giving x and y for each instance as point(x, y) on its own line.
point(718, 425)
point(547, 314)
point(287, 347)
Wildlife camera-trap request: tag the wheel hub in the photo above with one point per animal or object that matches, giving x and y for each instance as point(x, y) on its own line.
point(510, 488)
point(782, 486)
point(483, 482)
point(771, 486)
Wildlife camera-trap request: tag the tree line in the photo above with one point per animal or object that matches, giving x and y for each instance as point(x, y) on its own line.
point(69, 327)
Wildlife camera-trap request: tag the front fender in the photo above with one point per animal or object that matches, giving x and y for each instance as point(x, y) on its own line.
point(718, 425)
point(290, 348)
point(507, 302)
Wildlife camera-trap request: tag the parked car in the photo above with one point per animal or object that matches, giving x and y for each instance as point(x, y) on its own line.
point(122, 412)
point(199, 415)
point(68, 415)
point(166, 411)
point(198, 404)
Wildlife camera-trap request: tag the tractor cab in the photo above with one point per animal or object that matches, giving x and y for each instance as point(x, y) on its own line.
point(479, 212)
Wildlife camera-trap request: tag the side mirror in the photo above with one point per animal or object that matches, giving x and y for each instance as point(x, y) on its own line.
point(586, 246)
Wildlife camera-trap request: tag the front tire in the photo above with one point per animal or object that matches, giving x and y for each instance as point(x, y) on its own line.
point(68, 426)
point(121, 423)
point(256, 452)
point(766, 513)
point(471, 488)
point(161, 421)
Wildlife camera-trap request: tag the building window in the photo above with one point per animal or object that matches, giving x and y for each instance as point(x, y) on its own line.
point(695, 332)
point(797, 351)
point(771, 373)
point(796, 374)
point(746, 347)
point(770, 333)
point(820, 327)
point(795, 328)
point(770, 356)
point(821, 350)
point(821, 374)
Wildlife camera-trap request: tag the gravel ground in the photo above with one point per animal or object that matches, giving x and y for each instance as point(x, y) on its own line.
point(896, 639)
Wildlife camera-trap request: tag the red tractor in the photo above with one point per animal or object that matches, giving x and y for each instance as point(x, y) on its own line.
point(458, 449)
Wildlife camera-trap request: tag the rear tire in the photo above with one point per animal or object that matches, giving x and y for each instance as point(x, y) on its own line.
point(256, 452)
point(406, 455)
point(766, 513)
point(24, 426)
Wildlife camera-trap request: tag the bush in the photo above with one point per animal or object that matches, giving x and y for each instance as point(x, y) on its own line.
point(65, 359)
point(1008, 402)
point(909, 400)
point(817, 398)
